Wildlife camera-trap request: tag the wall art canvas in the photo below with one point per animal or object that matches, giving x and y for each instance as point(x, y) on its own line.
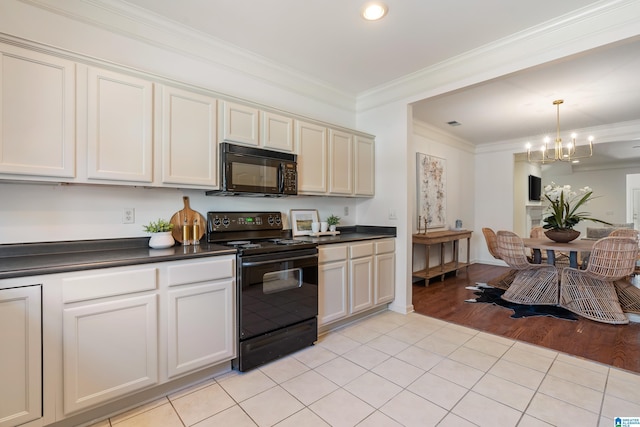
point(431, 173)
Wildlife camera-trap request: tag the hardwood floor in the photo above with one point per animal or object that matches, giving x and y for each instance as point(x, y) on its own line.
point(615, 345)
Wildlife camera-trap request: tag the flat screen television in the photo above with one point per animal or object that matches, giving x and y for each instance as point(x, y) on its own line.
point(535, 188)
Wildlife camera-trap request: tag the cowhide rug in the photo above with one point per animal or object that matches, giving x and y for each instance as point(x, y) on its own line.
point(491, 295)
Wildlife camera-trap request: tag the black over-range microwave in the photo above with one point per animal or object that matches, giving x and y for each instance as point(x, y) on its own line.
point(250, 171)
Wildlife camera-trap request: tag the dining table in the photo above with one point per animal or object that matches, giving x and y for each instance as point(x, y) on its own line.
point(573, 247)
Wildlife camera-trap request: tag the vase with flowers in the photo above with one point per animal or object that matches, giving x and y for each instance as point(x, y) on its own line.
point(562, 211)
point(161, 236)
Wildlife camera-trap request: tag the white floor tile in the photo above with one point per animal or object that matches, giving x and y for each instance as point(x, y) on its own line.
point(246, 385)
point(284, 369)
point(473, 358)
point(305, 418)
point(411, 410)
point(271, 406)
point(579, 375)
point(340, 370)
point(528, 358)
point(457, 372)
point(529, 421)
point(373, 389)
point(359, 333)
point(309, 387)
point(575, 394)
point(314, 356)
point(518, 374)
point(486, 412)
point(202, 403)
point(558, 413)
point(233, 416)
point(378, 419)
point(616, 407)
point(365, 356)
point(419, 357)
point(341, 409)
point(452, 420)
point(503, 391)
point(337, 343)
point(438, 390)
point(162, 415)
point(387, 344)
point(484, 343)
point(618, 386)
point(398, 372)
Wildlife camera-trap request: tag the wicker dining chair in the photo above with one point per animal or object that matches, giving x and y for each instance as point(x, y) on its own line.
point(628, 294)
point(591, 293)
point(533, 283)
point(503, 281)
point(561, 258)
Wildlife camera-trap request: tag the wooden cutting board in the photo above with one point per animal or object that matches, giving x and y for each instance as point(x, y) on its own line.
point(190, 215)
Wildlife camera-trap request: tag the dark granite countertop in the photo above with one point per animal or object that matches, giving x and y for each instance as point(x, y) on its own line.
point(31, 259)
point(353, 234)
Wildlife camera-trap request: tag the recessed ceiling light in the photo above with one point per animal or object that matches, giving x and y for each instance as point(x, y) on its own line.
point(374, 11)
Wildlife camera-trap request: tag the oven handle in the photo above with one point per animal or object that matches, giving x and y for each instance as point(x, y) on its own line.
point(297, 258)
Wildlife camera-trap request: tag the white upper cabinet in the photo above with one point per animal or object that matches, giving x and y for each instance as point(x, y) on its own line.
point(37, 115)
point(311, 146)
point(240, 123)
point(364, 166)
point(340, 163)
point(189, 145)
point(119, 127)
point(277, 132)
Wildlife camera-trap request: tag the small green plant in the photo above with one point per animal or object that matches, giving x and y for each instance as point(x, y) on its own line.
point(159, 226)
point(333, 220)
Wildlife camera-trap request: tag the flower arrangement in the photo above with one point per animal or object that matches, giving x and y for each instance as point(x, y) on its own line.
point(159, 226)
point(333, 220)
point(563, 207)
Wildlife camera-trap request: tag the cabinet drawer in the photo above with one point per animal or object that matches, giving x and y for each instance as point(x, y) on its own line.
point(360, 250)
point(107, 284)
point(201, 271)
point(385, 246)
point(331, 253)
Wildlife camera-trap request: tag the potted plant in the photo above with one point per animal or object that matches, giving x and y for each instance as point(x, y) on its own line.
point(563, 212)
point(333, 221)
point(161, 236)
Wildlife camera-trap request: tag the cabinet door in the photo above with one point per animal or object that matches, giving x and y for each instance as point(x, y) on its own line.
point(109, 349)
point(37, 114)
point(240, 123)
point(385, 269)
point(311, 145)
point(277, 132)
point(364, 167)
point(189, 144)
point(332, 292)
point(340, 162)
point(201, 326)
point(119, 126)
point(20, 355)
point(361, 281)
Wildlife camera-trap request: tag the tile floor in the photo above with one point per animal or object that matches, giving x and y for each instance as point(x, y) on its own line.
point(413, 370)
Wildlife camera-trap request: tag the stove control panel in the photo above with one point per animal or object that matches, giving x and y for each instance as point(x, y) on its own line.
point(243, 221)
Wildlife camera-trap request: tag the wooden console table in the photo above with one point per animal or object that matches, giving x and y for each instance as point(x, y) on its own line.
point(441, 238)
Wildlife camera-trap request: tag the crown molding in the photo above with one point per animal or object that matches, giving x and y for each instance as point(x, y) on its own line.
point(598, 24)
point(136, 23)
point(426, 130)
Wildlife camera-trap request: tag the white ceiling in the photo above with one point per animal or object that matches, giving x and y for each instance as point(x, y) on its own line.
point(329, 42)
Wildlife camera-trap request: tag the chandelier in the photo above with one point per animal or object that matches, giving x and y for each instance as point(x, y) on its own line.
point(558, 152)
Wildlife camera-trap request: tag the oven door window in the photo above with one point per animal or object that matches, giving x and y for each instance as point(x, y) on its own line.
point(276, 294)
point(282, 281)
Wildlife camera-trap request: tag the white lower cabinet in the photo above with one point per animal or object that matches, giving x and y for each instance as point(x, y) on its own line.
point(20, 355)
point(354, 277)
point(360, 276)
point(201, 315)
point(126, 329)
point(385, 271)
point(333, 281)
point(110, 348)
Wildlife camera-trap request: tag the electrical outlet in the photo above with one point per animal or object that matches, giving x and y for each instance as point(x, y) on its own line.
point(128, 216)
point(346, 211)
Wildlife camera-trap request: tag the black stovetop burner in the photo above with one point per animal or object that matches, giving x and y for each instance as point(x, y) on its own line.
point(251, 232)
